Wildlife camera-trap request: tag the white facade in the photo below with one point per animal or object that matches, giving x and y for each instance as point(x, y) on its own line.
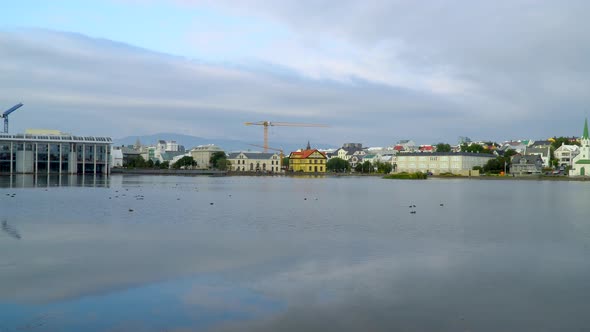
point(171, 146)
point(202, 154)
point(255, 162)
point(565, 154)
point(581, 163)
point(440, 162)
point(116, 156)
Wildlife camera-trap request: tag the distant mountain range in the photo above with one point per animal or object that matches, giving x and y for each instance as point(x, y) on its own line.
point(189, 142)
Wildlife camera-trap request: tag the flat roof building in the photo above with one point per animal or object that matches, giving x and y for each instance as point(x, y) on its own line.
point(441, 162)
point(54, 154)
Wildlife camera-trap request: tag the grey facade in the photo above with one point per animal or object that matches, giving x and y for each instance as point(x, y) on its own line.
point(54, 154)
point(529, 164)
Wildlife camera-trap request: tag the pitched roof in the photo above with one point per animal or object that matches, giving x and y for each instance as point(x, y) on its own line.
point(530, 159)
point(252, 155)
point(306, 153)
point(543, 151)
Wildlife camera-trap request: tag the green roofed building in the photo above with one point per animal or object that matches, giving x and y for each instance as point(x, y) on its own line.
point(581, 163)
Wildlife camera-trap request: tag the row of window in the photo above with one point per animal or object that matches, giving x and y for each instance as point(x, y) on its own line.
point(256, 167)
point(243, 162)
point(426, 166)
point(306, 161)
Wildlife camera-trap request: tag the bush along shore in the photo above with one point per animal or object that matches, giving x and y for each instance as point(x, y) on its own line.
point(407, 176)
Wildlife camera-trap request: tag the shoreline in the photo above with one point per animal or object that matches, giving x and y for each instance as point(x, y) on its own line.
point(229, 173)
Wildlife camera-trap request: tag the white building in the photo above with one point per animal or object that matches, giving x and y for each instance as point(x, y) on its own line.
point(116, 156)
point(460, 163)
point(255, 162)
point(581, 163)
point(565, 154)
point(202, 155)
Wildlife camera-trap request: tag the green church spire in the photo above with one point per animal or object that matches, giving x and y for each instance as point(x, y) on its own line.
point(585, 135)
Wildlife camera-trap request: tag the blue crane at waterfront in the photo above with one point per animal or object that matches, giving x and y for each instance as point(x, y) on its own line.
point(6, 113)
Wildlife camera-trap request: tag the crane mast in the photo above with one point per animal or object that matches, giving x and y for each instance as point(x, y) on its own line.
point(6, 113)
point(267, 124)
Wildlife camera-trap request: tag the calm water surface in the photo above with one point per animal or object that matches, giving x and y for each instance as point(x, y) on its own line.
point(293, 254)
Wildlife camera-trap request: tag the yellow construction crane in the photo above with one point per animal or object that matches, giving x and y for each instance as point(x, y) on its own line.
point(267, 124)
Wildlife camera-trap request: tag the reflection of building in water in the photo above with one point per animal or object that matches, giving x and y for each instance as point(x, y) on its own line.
point(54, 180)
point(53, 152)
point(10, 230)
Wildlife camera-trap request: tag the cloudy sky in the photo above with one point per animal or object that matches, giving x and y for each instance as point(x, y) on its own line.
point(374, 71)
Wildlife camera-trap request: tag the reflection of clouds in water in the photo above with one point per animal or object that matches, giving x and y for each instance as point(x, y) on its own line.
point(228, 298)
point(493, 289)
point(70, 260)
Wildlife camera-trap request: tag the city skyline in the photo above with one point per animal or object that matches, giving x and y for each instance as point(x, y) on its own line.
point(375, 73)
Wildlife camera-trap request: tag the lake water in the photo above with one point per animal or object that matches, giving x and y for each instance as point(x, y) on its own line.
point(293, 254)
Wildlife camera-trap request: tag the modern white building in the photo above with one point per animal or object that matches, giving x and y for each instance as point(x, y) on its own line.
point(255, 162)
point(461, 163)
point(581, 163)
point(54, 154)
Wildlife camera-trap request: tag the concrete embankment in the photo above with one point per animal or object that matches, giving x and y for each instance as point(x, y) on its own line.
point(144, 171)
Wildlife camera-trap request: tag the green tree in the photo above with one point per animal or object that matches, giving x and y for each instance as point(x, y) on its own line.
point(149, 163)
point(165, 165)
point(383, 168)
point(558, 141)
point(337, 165)
point(365, 167)
point(215, 157)
point(496, 165)
point(185, 162)
point(136, 162)
point(157, 163)
point(474, 148)
point(285, 162)
point(443, 147)
point(222, 164)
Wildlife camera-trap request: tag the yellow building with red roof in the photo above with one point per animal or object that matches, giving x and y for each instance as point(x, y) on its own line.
point(307, 161)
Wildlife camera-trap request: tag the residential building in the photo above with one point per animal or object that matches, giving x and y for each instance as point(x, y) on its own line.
point(544, 151)
point(461, 163)
point(405, 145)
point(202, 155)
point(348, 150)
point(540, 144)
point(307, 161)
point(518, 146)
point(426, 148)
point(581, 162)
point(565, 154)
point(255, 162)
point(54, 152)
point(526, 164)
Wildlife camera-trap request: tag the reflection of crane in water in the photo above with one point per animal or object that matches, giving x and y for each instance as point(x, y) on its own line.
point(10, 230)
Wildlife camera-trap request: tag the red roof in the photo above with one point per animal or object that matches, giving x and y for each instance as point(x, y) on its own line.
point(398, 148)
point(306, 153)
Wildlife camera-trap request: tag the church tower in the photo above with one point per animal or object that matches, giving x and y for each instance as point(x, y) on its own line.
point(581, 163)
point(585, 139)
